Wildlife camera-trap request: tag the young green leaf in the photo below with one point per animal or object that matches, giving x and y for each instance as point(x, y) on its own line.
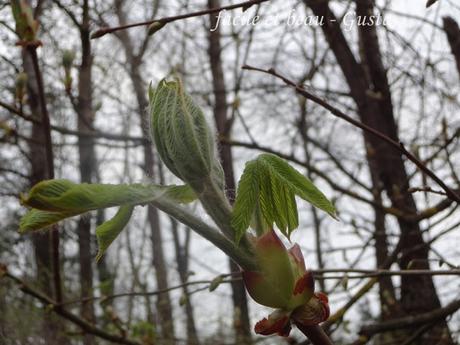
point(267, 190)
point(246, 200)
point(66, 196)
point(55, 200)
point(36, 219)
point(108, 231)
point(298, 183)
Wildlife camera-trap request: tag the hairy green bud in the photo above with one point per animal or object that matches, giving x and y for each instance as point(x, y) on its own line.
point(21, 84)
point(182, 136)
point(26, 25)
point(68, 56)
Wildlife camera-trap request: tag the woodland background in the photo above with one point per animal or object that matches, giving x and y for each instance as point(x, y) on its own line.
point(152, 286)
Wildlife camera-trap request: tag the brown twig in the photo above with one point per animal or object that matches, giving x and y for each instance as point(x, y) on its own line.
point(338, 113)
point(54, 306)
point(315, 334)
point(245, 5)
point(408, 321)
point(383, 272)
point(149, 293)
point(94, 133)
point(425, 189)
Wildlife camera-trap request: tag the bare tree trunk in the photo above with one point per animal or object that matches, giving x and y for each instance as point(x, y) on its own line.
point(182, 267)
point(84, 108)
point(164, 306)
point(389, 306)
point(418, 293)
point(240, 304)
point(53, 332)
point(453, 36)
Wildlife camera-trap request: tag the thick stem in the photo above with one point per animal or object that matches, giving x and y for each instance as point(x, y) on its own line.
point(315, 334)
point(218, 207)
point(237, 254)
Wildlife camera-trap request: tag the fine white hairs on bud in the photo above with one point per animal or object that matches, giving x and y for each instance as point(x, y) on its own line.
point(182, 136)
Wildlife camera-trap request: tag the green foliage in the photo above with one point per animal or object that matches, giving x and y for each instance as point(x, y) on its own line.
point(107, 232)
point(54, 200)
point(266, 195)
point(64, 196)
point(182, 136)
point(37, 219)
point(26, 25)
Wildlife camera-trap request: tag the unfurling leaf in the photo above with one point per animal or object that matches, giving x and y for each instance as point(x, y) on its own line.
point(66, 196)
point(246, 199)
point(182, 136)
point(54, 200)
point(26, 25)
point(36, 219)
point(267, 190)
point(108, 231)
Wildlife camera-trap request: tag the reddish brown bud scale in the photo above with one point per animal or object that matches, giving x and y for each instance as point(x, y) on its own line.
point(306, 282)
point(277, 322)
point(283, 282)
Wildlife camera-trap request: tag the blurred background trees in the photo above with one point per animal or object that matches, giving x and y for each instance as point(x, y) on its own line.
point(401, 78)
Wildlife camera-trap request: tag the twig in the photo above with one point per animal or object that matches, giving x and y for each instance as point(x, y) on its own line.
point(55, 307)
point(338, 315)
point(165, 20)
point(338, 113)
point(425, 189)
point(408, 321)
point(94, 133)
point(418, 333)
point(385, 273)
point(315, 334)
point(147, 293)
